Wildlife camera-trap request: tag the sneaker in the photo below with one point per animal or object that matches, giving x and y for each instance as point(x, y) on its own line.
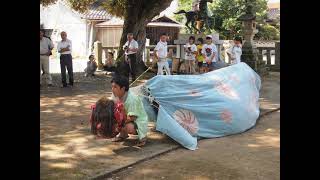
point(64, 86)
point(50, 85)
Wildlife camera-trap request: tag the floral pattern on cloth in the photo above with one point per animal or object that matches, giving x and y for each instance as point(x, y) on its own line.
point(187, 120)
point(226, 116)
point(226, 90)
point(222, 109)
point(253, 102)
point(253, 80)
point(119, 115)
point(234, 78)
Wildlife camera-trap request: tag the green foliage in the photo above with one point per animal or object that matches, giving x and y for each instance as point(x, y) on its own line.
point(225, 13)
point(115, 7)
point(78, 5)
point(267, 32)
point(46, 3)
point(183, 5)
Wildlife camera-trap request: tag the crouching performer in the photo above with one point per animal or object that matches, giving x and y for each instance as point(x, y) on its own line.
point(122, 115)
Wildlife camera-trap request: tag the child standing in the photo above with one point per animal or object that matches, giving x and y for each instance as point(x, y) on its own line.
point(235, 51)
point(160, 53)
point(199, 56)
point(209, 52)
point(91, 66)
point(136, 119)
point(190, 56)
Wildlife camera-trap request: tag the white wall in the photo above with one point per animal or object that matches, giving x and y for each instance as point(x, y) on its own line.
point(60, 18)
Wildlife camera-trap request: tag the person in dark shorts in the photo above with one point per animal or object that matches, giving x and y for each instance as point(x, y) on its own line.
point(199, 56)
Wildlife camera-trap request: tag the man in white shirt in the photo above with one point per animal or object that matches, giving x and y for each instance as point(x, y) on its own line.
point(131, 48)
point(65, 48)
point(46, 46)
point(160, 53)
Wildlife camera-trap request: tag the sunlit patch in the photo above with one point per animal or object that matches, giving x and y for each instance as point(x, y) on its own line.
point(47, 111)
point(226, 116)
point(187, 120)
point(273, 141)
point(62, 165)
point(253, 145)
point(270, 130)
point(71, 103)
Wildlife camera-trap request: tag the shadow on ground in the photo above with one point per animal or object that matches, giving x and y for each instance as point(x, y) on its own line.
point(69, 151)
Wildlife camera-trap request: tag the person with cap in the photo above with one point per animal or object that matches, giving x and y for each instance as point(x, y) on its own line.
point(209, 51)
point(46, 46)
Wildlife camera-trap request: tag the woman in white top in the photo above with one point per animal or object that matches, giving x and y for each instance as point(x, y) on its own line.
point(190, 55)
point(235, 51)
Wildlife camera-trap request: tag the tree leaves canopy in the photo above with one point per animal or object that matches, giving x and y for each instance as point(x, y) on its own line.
point(225, 14)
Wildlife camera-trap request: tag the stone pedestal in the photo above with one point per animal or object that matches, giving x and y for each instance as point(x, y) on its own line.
point(98, 54)
point(250, 54)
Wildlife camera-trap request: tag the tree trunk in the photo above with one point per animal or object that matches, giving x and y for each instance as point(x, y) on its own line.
point(138, 14)
point(136, 25)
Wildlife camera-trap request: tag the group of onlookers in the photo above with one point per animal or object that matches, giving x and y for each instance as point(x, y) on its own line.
point(200, 53)
point(65, 49)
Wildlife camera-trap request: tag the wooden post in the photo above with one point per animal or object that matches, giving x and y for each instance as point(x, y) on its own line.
point(178, 51)
point(268, 57)
point(98, 53)
point(148, 56)
point(277, 55)
point(260, 55)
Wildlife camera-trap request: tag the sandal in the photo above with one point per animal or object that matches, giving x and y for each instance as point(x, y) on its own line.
point(141, 142)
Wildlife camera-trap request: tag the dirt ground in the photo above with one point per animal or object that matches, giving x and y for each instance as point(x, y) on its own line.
point(69, 151)
point(253, 155)
point(67, 148)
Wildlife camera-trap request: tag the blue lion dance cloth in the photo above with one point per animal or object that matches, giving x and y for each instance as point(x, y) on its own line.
point(214, 104)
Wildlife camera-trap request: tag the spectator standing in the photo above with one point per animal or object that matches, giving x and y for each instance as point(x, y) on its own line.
point(65, 49)
point(46, 46)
